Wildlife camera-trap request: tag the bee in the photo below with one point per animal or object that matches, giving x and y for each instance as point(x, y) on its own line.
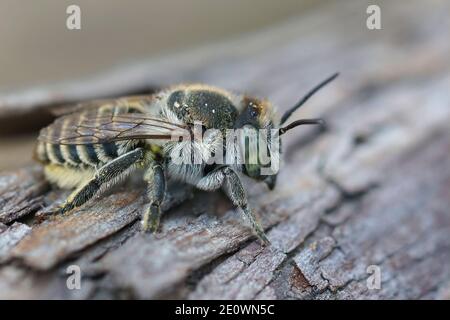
point(102, 141)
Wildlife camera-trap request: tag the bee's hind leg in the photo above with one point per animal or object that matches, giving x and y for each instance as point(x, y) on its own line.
point(156, 180)
point(103, 179)
point(228, 178)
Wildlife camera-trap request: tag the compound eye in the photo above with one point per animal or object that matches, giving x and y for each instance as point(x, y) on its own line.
point(253, 110)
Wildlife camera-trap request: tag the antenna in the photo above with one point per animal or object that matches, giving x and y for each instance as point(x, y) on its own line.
point(288, 113)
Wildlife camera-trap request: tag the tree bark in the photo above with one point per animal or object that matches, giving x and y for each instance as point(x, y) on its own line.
point(371, 193)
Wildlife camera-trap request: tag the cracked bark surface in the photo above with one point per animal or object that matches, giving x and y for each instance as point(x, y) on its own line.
point(371, 190)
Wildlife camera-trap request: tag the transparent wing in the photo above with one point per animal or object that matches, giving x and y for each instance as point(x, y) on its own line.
point(92, 126)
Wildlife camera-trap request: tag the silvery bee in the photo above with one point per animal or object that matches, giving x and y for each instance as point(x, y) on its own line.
point(101, 142)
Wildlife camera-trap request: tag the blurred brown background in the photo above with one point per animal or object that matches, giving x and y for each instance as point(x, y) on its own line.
point(37, 48)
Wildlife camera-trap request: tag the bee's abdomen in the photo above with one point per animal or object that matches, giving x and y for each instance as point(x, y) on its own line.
point(77, 155)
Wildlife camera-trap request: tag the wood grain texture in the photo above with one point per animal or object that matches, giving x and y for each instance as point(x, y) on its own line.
point(371, 190)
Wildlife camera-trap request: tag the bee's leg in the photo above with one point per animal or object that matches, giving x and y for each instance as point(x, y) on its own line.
point(156, 180)
point(237, 195)
point(103, 178)
point(228, 178)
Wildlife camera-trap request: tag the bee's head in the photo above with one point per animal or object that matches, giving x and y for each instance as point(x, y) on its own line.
point(258, 119)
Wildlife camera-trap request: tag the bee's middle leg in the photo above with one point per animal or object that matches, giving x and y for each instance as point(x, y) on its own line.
point(156, 180)
point(105, 176)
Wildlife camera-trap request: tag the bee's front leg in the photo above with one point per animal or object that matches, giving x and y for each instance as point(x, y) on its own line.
point(237, 194)
point(156, 180)
point(228, 178)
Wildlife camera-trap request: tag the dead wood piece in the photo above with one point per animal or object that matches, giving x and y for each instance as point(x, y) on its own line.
point(10, 237)
point(20, 193)
point(388, 229)
point(371, 190)
point(61, 236)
